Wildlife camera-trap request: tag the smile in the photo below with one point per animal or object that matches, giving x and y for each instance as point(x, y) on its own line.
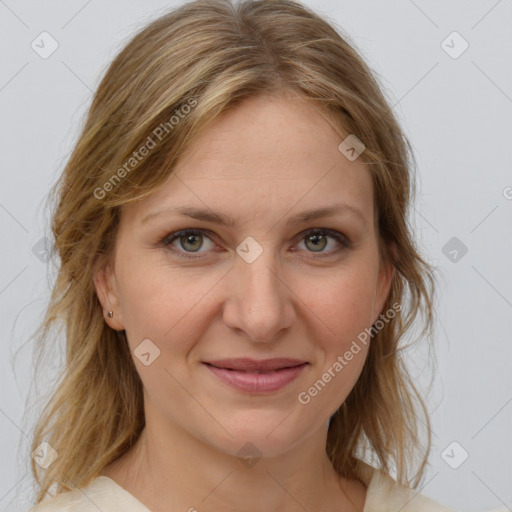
point(257, 380)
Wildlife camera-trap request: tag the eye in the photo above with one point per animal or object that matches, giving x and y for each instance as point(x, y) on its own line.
point(316, 240)
point(189, 241)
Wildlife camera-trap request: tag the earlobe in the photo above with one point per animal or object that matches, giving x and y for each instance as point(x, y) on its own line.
point(106, 290)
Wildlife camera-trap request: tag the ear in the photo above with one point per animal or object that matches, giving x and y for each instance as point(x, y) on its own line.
point(384, 281)
point(106, 289)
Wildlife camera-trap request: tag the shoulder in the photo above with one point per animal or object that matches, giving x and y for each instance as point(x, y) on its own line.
point(101, 494)
point(386, 495)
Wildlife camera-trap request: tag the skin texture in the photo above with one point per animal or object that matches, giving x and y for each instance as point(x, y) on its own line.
point(259, 164)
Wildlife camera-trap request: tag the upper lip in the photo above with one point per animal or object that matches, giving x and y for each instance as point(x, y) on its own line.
point(247, 364)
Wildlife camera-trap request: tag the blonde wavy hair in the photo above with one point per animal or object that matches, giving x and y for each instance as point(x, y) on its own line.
point(214, 54)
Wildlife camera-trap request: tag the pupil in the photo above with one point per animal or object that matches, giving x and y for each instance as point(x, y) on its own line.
point(190, 239)
point(315, 239)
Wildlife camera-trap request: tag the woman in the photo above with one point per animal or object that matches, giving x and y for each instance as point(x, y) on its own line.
point(236, 274)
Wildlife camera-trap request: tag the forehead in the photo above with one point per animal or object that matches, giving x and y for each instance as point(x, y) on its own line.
point(268, 153)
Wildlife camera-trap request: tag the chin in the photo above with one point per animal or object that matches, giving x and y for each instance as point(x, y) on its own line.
point(257, 438)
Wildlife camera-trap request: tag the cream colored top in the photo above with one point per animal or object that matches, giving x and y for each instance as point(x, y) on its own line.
point(103, 494)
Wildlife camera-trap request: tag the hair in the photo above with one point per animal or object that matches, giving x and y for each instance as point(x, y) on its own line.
point(174, 78)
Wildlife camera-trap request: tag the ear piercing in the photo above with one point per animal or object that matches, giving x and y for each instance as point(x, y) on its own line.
point(110, 314)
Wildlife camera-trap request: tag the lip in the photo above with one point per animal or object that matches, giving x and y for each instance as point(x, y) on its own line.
point(254, 365)
point(257, 376)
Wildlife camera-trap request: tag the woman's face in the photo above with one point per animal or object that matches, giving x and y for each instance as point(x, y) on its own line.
point(263, 286)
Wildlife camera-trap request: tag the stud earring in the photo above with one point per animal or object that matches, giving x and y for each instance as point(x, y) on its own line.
point(110, 314)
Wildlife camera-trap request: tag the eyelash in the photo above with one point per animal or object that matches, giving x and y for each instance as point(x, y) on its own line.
point(339, 237)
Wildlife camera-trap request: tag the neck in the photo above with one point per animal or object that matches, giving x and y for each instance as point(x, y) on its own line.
point(168, 466)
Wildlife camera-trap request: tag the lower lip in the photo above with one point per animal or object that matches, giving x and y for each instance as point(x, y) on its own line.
point(257, 382)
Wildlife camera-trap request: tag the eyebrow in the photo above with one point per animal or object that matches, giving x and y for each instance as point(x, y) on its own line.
point(223, 220)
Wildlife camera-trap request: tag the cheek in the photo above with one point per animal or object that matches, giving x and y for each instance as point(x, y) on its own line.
point(342, 304)
point(342, 308)
point(161, 303)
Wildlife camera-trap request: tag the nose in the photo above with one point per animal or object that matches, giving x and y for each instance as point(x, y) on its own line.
point(259, 300)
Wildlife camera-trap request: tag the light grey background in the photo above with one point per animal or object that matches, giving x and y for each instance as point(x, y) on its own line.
point(457, 113)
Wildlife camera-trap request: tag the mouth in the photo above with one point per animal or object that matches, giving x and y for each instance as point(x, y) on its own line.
point(257, 377)
point(256, 366)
